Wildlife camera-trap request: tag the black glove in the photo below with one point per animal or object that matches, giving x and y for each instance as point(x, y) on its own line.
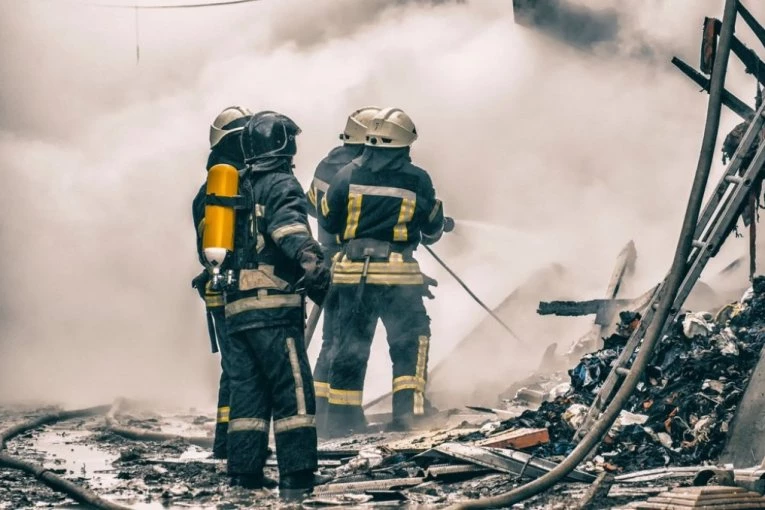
point(316, 276)
point(427, 283)
point(448, 224)
point(200, 282)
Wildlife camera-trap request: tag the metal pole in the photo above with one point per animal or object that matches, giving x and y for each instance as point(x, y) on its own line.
point(313, 319)
point(668, 292)
point(750, 20)
point(470, 292)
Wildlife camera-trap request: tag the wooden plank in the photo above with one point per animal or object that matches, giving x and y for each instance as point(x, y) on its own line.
point(599, 488)
point(517, 439)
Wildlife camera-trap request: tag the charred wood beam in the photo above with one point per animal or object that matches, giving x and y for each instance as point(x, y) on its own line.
point(758, 29)
point(599, 489)
point(579, 308)
point(738, 106)
point(752, 62)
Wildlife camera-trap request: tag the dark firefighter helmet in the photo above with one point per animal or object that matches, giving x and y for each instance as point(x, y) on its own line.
point(269, 135)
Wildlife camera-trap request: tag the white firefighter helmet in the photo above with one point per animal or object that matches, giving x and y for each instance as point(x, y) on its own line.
point(391, 127)
point(357, 124)
point(226, 122)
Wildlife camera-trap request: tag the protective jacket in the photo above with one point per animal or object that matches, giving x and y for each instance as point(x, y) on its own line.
point(328, 167)
point(274, 250)
point(381, 195)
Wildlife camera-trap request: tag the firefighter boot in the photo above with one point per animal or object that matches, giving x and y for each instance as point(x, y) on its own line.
point(295, 486)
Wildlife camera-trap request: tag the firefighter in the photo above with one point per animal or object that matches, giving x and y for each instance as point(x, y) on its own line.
point(382, 206)
point(225, 147)
point(276, 262)
point(352, 147)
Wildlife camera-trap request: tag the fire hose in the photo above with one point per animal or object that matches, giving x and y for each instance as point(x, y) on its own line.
point(148, 435)
point(667, 292)
point(55, 482)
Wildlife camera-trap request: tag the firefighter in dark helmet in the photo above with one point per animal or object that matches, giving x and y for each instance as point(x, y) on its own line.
point(276, 262)
point(382, 206)
point(353, 137)
point(225, 147)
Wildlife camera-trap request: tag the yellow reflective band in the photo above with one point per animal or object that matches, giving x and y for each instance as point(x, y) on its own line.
point(324, 206)
point(201, 227)
point(247, 425)
point(382, 191)
point(400, 231)
point(264, 302)
point(345, 397)
point(320, 185)
point(421, 373)
point(408, 382)
point(214, 300)
point(286, 230)
point(294, 422)
point(419, 403)
point(394, 267)
point(354, 212)
point(422, 356)
point(321, 389)
point(378, 279)
point(311, 196)
point(434, 212)
point(298, 378)
point(223, 414)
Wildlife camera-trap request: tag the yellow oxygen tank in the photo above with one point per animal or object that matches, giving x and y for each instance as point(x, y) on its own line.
point(218, 236)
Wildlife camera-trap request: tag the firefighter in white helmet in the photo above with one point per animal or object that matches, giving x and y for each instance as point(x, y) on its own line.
point(381, 206)
point(225, 147)
point(353, 137)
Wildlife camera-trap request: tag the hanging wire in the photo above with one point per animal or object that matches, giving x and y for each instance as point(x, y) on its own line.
point(137, 7)
point(171, 6)
point(137, 43)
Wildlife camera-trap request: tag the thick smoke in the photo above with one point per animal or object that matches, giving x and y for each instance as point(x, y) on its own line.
point(570, 152)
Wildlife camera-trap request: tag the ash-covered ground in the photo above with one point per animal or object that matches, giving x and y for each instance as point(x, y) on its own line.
point(680, 416)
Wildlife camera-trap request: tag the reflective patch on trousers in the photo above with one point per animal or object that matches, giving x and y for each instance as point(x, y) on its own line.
point(294, 422)
point(421, 373)
point(299, 393)
point(321, 389)
point(247, 425)
point(408, 382)
point(345, 397)
point(223, 414)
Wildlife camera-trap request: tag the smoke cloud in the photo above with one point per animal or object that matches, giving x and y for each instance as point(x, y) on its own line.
point(547, 152)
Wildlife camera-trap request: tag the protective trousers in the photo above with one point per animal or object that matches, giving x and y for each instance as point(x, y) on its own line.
point(408, 330)
point(270, 377)
point(224, 389)
point(324, 361)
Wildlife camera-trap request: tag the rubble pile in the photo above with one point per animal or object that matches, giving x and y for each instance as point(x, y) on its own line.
point(680, 413)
